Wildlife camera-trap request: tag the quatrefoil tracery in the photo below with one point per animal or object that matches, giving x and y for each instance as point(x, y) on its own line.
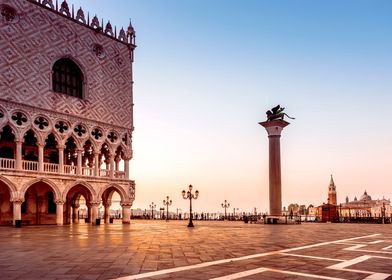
point(41, 123)
point(96, 133)
point(19, 118)
point(61, 126)
point(112, 136)
point(80, 130)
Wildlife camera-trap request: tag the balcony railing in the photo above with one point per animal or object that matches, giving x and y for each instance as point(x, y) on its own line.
point(87, 171)
point(51, 167)
point(29, 165)
point(70, 169)
point(7, 163)
point(54, 168)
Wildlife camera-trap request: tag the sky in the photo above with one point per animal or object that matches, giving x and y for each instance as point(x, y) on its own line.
point(206, 72)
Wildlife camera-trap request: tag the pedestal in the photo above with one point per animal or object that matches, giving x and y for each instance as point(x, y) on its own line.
point(274, 129)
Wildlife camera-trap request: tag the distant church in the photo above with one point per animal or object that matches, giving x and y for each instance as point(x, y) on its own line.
point(329, 212)
point(66, 113)
point(365, 207)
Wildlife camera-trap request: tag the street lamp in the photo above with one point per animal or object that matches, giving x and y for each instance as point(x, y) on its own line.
point(167, 202)
point(190, 196)
point(152, 207)
point(225, 205)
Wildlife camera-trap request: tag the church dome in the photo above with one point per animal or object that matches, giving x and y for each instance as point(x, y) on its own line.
point(365, 197)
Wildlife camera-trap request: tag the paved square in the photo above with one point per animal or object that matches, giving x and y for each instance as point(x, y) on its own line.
point(211, 250)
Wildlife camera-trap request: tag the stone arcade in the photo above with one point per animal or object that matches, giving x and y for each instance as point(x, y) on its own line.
point(66, 121)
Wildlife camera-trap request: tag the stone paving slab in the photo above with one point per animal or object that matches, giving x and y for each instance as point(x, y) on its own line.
point(211, 250)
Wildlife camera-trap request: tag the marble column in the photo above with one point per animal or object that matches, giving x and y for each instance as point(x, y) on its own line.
point(94, 212)
point(61, 159)
point(126, 168)
point(126, 212)
point(75, 217)
point(17, 210)
point(79, 167)
point(18, 159)
point(107, 213)
point(59, 212)
point(40, 157)
point(274, 129)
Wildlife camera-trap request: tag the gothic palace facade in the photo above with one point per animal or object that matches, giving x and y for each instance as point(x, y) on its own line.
point(66, 121)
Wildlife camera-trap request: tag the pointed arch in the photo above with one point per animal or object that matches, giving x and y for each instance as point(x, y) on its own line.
point(52, 185)
point(80, 183)
point(116, 187)
point(11, 186)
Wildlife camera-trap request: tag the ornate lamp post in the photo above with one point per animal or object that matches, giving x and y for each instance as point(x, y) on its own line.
point(190, 196)
point(152, 207)
point(167, 202)
point(225, 205)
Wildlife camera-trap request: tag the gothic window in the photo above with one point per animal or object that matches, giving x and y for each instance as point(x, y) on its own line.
point(67, 78)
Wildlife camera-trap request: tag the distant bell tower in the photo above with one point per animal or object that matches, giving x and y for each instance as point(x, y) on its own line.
point(332, 192)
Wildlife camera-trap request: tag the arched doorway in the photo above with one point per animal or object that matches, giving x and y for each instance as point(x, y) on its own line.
point(79, 195)
point(6, 209)
point(39, 207)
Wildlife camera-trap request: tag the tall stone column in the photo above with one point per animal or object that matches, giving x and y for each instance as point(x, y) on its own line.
point(126, 212)
point(96, 164)
point(107, 212)
point(94, 211)
point(17, 210)
point(79, 167)
point(111, 170)
point(59, 212)
point(18, 160)
point(61, 159)
point(40, 157)
point(75, 217)
point(274, 129)
point(126, 168)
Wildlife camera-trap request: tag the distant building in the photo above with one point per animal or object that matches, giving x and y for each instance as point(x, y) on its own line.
point(332, 192)
point(366, 207)
point(328, 211)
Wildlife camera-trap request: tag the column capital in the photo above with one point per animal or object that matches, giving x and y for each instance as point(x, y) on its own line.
point(107, 204)
point(275, 127)
point(59, 202)
point(17, 200)
point(94, 203)
point(60, 147)
point(126, 204)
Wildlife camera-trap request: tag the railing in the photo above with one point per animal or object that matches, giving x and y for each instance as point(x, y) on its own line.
point(87, 171)
point(29, 165)
point(119, 174)
point(69, 169)
point(7, 163)
point(51, 167)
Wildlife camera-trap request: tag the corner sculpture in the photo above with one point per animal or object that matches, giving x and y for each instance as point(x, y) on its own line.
point(277, 113)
